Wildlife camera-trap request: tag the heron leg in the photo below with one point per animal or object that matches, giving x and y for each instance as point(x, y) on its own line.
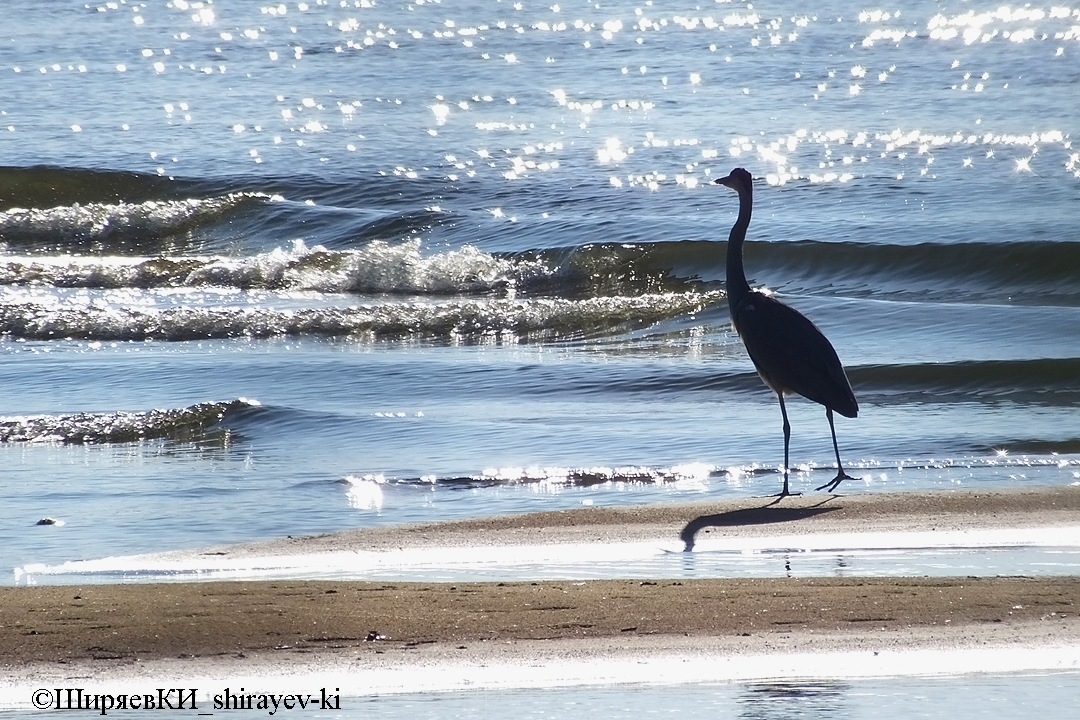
point(840, 475)
point(787, 443)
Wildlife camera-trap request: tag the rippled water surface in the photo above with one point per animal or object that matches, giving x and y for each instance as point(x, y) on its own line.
point(994, 695)
point(271, 269)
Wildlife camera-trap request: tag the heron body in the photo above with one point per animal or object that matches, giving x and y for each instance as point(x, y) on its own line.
point(790, 353)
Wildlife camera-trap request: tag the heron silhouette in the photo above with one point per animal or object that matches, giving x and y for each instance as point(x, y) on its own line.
point(789, 352)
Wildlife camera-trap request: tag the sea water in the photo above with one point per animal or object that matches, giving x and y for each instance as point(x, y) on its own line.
point(985, 696)
point(275, 269)
point(1049, 694)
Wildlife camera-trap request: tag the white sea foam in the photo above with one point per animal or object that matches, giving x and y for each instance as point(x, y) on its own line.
point(380, 267)
point(89, 428)
point(502, 318)
point(92, 221)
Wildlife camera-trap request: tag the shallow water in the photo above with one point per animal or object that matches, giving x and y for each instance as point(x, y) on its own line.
point(974, 553)
point(408, 261)
point(1027, 561)
point(1050, 694)
point(991, 696)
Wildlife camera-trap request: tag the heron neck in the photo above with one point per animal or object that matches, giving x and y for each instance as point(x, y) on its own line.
point(737, 287)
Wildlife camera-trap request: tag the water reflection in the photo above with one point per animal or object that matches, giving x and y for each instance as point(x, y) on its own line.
point(779, 700)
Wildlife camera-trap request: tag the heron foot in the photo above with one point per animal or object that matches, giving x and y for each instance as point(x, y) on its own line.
point(831, 485)
point(783, 494)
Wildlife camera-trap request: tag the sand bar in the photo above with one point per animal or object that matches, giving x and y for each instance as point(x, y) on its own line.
point(689, 523)
point(622, 542)
point(99, 629)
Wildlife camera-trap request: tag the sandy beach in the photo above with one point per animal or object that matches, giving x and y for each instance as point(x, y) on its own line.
point(223, 627)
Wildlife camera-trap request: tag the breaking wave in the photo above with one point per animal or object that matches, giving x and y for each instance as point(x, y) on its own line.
point(454, 318)
point(180, 424)
point(379, 267)
point(116, 227)
point(689, 474)
point(1024, 272)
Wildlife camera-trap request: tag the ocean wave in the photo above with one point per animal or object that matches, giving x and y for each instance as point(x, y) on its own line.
point(368, 488)
point(139, 235)
point(1016, 272)
point(1042, 380)
point(401, 224)
point(44, 186)
point(179, 424)
point(505, 319)
point(1038, 271)
point(1033, 272)
point(116, 227)
point(378, 268)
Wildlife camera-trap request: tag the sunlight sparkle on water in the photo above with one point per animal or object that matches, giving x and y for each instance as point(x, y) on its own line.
point(618, 106)
point(365, 493)
point(984, 27)
point(612, 151)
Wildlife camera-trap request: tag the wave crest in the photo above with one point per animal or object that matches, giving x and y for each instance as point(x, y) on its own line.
point(180, 424)
point(378, 268)
point(116, 227)
point(503, 318)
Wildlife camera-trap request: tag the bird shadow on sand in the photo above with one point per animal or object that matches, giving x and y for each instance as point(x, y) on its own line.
point(752, 516)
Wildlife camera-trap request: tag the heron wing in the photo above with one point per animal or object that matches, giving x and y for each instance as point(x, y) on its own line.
point(791, 354)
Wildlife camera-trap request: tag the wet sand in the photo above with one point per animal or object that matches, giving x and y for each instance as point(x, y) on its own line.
point(113, 622)
point(99, 628)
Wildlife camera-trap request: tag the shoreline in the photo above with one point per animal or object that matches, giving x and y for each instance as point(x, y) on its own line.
point(309, 628)
point(637, 541)
point(687, 523)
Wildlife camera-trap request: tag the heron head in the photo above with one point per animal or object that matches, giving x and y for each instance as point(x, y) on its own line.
point(738, 180)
